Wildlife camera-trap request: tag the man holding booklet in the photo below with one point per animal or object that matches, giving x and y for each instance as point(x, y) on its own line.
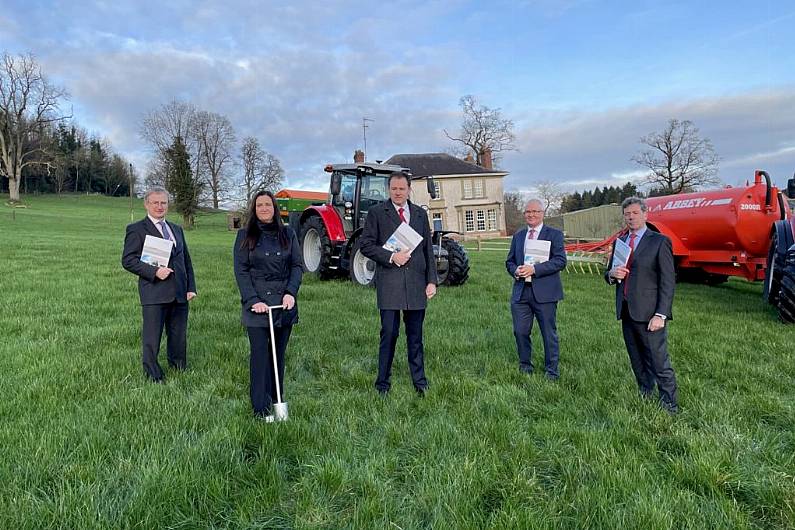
point(535, 260)
point(642, 269)
point(397, 237)
point(155, 250)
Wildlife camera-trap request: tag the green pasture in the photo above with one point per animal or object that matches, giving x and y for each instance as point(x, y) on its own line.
point(86, 442)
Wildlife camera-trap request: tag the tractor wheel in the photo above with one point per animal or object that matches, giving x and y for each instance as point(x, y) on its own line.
point(773, 273)
point(458, 262)
point(316, 248)
point(362, 268)
point(786, 294)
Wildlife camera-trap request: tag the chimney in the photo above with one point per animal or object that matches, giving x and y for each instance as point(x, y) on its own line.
point(469, 158)
point(485, 158)
point(358, 157)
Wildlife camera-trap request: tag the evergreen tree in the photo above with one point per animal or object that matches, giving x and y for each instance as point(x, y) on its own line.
point(184, 188)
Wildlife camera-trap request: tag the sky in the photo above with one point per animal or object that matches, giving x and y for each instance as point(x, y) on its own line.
point(582, 80)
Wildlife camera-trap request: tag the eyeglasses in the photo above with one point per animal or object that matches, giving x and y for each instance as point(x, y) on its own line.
point(534, 211)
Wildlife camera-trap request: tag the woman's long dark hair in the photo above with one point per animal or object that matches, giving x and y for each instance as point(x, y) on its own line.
point(253, 230)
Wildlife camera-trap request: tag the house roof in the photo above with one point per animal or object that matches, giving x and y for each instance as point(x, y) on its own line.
point(440, 164)
point(301, 194)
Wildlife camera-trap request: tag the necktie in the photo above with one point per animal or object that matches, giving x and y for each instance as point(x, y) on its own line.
point(402, 217)
point(632, 237)
point(164, 229)
point(531, 234)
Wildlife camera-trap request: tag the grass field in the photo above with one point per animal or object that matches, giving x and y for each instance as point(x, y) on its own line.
point(88, 443)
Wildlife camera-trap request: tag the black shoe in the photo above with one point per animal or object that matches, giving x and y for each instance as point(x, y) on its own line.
point(383, 392)
point(670, 408)
point(526, 370)
point(181, 367)
point(157, 380)
point(421, 390)
point(552, 377)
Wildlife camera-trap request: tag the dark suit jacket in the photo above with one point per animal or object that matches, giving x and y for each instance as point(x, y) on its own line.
point(265, 274)
point(150, 289)
point(546, 284)
point(399, 287)
point(651, 279)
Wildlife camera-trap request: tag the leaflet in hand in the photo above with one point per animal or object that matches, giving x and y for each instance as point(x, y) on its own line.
point(535, 251)
point(621, 254)
point(157, 251)
point(404, 238)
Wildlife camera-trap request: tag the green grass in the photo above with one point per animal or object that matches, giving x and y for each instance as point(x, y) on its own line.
point(87, 443)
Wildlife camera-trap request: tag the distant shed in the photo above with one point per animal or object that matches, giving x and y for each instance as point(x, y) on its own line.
point(598, 222)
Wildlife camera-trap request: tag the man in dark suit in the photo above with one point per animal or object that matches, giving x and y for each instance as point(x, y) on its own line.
point(537, 289)
point(164, 291)
point(644, 296)
point(404, 281)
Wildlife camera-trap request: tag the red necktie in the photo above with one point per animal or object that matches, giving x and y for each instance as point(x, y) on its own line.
point(632, 237)
point(531, 234)
point(402, 217)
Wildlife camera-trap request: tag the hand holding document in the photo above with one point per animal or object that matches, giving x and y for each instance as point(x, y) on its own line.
point(403, 239)
point(535, 251)
point(156, 251)
point(621, 254)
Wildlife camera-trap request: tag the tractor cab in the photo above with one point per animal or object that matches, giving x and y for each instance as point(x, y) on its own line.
point(355, 188)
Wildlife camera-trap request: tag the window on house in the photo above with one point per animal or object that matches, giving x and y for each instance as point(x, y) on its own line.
point(437, 221)
point(481, 217)
point(492, 219)
point(469, 221)
point(478, 188)
point(473, 188)
point(438, 187)
point(468, 189)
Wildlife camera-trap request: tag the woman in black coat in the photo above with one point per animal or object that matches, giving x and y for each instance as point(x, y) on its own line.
point(268, 271)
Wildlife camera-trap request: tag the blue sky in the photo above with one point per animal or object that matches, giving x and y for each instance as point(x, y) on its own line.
point(583, 80)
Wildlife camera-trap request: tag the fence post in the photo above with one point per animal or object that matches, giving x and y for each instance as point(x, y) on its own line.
point(479, 244)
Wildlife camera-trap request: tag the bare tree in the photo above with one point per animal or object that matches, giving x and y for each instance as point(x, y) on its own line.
point(216, 138)
point(550, 195)
point(678, 159)
point(261, 170)
point(174, 119)
point(484, 131)
point(28, 103)
point(514, 202)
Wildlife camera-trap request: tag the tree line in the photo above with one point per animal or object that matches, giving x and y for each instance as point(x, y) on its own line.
point(196, 154)
point(198, 160)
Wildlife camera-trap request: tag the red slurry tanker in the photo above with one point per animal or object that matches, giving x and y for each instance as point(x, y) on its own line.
point(742, 231)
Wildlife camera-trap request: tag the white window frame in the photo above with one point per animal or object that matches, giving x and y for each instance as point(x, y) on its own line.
point(469, 220)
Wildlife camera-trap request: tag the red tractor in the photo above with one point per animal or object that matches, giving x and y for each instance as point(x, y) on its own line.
point(329, 233)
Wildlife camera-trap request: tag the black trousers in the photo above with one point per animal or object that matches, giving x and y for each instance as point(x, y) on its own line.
point(390, 330)
point(262, 388)
point(174, 317)
point(523, 312)
point(648, 355)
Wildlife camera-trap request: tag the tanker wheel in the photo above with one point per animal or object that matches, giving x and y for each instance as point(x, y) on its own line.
point(316, 248)
point(786, 294)
point(773, 272)
point(458, 262)
point(362, 268)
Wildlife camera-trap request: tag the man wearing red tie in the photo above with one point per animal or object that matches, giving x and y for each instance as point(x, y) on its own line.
point(537, 289)
point(404, 281)
point(644, 296)
point(164, 291)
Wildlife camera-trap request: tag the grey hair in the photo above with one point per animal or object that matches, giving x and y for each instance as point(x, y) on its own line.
point(537, 201)
point(629, 201)
point(153, 190)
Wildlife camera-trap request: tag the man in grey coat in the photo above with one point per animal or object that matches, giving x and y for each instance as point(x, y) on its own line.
point(404, 281)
